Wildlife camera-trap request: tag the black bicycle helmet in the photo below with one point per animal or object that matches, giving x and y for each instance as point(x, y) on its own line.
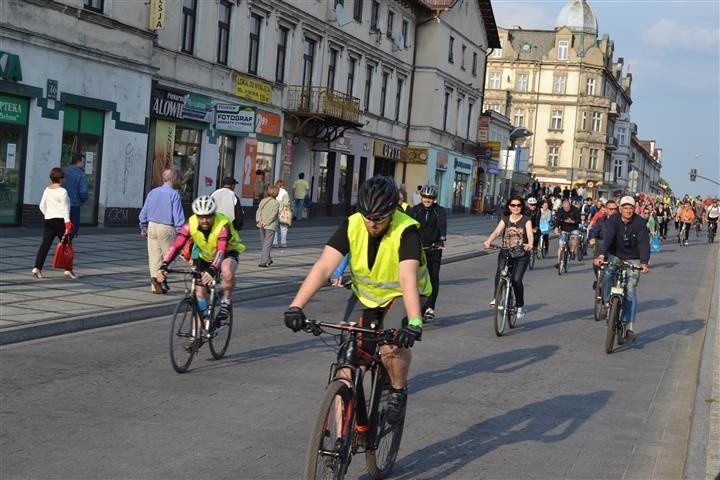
point(378, 197)
point(429, 191)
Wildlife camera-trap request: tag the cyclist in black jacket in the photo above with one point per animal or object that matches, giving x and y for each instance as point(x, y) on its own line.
point(433, 232)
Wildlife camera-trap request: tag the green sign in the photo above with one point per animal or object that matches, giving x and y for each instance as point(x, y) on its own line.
point(10, 67)
point(13, 110)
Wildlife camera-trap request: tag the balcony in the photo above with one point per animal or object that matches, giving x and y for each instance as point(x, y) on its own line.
point(613, 112)
point(612, 143)
point(322, 113)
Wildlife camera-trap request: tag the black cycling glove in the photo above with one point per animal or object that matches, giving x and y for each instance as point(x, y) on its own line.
point(295, 319)
point(407, 336)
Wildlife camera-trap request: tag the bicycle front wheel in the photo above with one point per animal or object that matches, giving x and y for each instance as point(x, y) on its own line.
point(220, 338)
point(511, 310)
point(328, 454)
point(183, 341)
point(598, 300)
point(612, 323)
point(500, 299)
point(381, 454)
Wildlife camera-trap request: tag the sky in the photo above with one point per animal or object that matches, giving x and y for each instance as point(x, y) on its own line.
point(672, 49)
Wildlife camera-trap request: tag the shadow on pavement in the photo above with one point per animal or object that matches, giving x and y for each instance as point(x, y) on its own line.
point(677, 327)
point(503, 362)
point(547, 421)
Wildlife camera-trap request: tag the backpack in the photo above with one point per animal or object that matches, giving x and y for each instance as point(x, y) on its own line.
point(239, 215)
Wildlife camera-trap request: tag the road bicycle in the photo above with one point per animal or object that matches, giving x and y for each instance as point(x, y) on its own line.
point(192, 327)
point(698, 228)
point(542, 248)
point(505, 310)
point(711, 229)
point(348, 422)
point(598, 296)
point(564, 258)
point(681, 233)
point(615, 324)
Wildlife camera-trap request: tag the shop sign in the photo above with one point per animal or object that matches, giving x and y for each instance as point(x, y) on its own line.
point(482, 134)
point(234, 118)
point(10, 68)
point(493, 168)
point(197, 108)
point(386, 150)
point(13, 110)
point(157, 14)
point(462, 166)
point(268, 123)
point(490, 150)
point(414, 154)
point(253, 89)
point(168, 104)
point(288, 150)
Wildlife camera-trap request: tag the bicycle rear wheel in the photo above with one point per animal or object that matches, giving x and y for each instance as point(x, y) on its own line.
point(612, 322)
point(541, 248)
point(328, 454)
point(597, 311)
point(500, 304)
point(220, 338)
point(380, 455)
point(183, 344)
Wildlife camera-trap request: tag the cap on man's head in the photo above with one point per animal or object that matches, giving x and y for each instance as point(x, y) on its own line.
point(627, 200)
point(229, 181)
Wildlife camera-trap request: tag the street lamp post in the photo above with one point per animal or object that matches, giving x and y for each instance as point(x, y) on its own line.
point(515, 135)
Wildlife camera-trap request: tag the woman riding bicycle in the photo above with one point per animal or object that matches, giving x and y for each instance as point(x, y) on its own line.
point(517, 242)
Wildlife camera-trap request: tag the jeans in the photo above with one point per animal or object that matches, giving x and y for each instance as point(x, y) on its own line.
point(518, 271)
point(630, 301)
point(298, 206)
point(281, 235)
point(75, 219)
point(434, 258)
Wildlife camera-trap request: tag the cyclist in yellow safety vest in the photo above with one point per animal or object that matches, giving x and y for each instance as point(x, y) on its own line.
point(386, 262)
point(218, 246)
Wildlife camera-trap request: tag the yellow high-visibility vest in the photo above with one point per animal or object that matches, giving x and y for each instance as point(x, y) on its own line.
point(208, 246)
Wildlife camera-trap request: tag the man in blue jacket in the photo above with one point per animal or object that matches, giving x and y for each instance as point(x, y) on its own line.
point(77, 187)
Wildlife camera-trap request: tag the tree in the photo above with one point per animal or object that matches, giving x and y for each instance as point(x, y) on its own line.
point(662, 183)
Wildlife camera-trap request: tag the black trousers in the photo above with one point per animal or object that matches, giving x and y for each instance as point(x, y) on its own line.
point(54, 227)
point(434, 258)
point(521, 264)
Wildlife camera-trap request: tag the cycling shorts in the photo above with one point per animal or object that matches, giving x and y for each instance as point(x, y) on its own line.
point(203, 265)
point(565, 236)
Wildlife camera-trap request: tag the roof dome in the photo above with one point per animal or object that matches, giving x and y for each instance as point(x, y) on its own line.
point(578, 16)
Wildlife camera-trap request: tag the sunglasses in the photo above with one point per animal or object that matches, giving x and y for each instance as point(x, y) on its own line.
point(376, 219)
point(516, 204)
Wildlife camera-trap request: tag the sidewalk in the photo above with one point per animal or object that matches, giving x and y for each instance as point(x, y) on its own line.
point(114, 282)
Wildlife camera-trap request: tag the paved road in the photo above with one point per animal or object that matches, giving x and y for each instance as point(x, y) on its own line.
point(543, 402)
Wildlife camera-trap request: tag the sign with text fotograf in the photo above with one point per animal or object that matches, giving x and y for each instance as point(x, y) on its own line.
point(234, 118)
point(253, 88)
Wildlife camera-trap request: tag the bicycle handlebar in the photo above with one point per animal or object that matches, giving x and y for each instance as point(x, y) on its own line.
point(384, 336)
point(622, 264)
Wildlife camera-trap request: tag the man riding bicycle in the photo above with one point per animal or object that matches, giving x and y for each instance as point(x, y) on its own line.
point(567, 220)
point(597, 231)
point(712, 212)
point(686, 215)
point(386, 263)
point(626, 237)
point(218, 246)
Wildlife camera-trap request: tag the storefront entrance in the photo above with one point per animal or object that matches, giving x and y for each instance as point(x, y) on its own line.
point(13, 135)
point(459, 187)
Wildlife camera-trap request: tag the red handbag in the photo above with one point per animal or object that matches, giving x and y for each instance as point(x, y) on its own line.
point(64, 254)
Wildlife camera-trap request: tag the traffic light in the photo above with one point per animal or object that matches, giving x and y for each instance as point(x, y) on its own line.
point(693, 174)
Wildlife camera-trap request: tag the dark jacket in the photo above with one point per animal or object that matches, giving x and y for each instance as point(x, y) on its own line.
point(433, 223)
point(573, 214)
point(636, 232)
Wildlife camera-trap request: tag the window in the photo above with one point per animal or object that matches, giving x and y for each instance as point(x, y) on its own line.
point(374, 14)
point(255, 26)
point(308, 61)
point(390, 22)
point(556, 120)
point(593, 161)
point(474, 65)
point(497, 52)
point(493, 106)
point(590, 86)
point(494, 80)
point(281, 54)
point(405, 27)
point(469, 119)
point(339, 2)
point(451, 47)
point(224, 12)
point(332, 66)
point(519, 117)
point(521, 82)
point(583, 125)
point(621, 135)
point(368, 85)
point(596, 122)
point(559, 84)
point(95, 5)
point(352, 63)
point(562, 52)
point(462, 57)
point(457, 116)
point(188, 27)
point(383, 92)
point(446, 106)
point(618, 168)
point(398, 98)
point(553, 155)
point(357, 10)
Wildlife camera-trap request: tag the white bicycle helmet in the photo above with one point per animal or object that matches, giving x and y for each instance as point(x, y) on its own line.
point(429, 191)
point(532, 201)
point(204, 205)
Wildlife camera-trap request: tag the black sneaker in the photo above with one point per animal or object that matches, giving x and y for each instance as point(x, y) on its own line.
point(223, 313)
point(396, 405)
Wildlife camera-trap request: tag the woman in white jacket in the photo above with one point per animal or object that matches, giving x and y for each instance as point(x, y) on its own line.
point(55, 207)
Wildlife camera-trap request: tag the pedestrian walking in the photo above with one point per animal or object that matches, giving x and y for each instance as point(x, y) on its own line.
point(55, 207)
point(300, 190)
point(267, 222)
point(77, 188)
point(284, 217)
point(228, 203)
point(161, 217)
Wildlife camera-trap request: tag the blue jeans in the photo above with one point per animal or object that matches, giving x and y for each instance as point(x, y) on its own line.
point(75, 219)
point(630, 302)
point(298, 205)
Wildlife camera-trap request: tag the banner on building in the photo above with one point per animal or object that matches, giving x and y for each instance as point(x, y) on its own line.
point(490, 150)
point(386, 150)
point(234, 119)
point(268, 123)
point(157, 14)
point(414, 155)
point(253, 89)
point(250, 157)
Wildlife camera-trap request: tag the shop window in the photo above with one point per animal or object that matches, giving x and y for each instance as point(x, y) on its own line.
point(82, 135)
point(263, 169)
point(13, 134)
point(186, 159)
point(226, 158)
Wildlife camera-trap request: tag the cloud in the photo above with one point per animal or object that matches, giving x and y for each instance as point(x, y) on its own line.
point(668, 34)
point(528, 16)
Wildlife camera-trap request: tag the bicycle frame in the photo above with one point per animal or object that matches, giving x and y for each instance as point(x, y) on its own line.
point(191, 292)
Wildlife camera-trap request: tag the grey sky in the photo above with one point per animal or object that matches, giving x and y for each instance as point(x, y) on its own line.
point(672, 49)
